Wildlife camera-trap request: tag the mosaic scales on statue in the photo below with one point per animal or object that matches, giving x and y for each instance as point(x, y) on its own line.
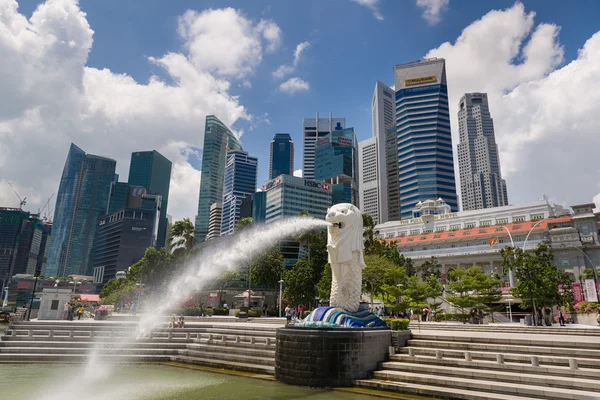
point(346, 257)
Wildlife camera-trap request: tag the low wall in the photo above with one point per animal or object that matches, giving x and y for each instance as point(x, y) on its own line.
point(329, 357)
point(586, 319)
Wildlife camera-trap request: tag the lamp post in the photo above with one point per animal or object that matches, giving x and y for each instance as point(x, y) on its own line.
point(37, 273)
point(280, 294)
point(529, 273)
point(75, 283)
point(511, 275)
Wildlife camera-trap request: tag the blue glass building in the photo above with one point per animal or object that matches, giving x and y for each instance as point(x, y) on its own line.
point(152, 171)
point(218, 139)
point(239, 184)
point(81, 200)
point(282, 156)
point(425, 159)
point(336, 163)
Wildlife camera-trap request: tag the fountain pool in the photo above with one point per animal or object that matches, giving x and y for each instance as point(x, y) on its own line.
point(145, 382)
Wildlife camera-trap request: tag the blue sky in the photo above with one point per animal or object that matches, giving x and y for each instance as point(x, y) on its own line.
point(349, 49)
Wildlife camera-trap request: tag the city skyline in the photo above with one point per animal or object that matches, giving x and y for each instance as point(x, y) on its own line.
point(511, 76)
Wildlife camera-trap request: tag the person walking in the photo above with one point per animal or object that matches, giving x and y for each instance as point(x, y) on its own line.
point(480, 316)
point(133, 309)
point(288, 315)
point(65, 314)
point(80, 312)
point(548, 316)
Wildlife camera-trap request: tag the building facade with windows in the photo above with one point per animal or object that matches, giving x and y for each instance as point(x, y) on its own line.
point(424, 142)
point(288, 196)
point(152, 171)
point(336, 163)
point(314, 129)
point(239, 184)
point(82, 198)
point(469, 238)
point(259, 206)
point(368, 186)
point(382, 108)
point(481, 183)
point(218, 140)
point(282, 156)
point(214, 223)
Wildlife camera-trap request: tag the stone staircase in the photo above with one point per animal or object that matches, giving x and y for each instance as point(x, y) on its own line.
point(513, 363)
point(246, 347)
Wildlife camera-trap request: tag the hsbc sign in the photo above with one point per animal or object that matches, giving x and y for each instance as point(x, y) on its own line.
point(325, 186)
point(316, 184)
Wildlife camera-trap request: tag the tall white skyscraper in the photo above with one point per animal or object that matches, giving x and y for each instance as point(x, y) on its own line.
point(382, 107)
point(368, 187)
point(313, 129)
point(481, 183)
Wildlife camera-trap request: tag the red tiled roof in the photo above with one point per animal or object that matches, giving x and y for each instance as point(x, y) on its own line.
point(478, 232)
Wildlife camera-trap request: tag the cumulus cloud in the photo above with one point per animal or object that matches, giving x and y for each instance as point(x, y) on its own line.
point(284, 70)
point(294, 85)
point(433, 9)
point(298, 173)
point(225, 42)
point(56, 99)
point(372, 5)
point(545, 115)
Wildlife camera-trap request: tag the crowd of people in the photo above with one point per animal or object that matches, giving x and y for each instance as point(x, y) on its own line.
point(74, 309)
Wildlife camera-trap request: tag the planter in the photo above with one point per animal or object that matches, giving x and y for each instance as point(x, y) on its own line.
point(586, 319)
point(399, 338)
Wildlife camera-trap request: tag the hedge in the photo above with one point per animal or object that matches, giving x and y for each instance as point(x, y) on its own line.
point(397, 324)
point(452, 317)
point(251, 313)
point(220, 311)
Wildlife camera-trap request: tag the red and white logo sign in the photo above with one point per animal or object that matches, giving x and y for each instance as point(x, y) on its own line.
point(325, 186)
point(277, 181)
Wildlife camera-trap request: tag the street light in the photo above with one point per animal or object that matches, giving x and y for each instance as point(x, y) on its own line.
point(511, 276)
point(280, 294)
point(75, 283)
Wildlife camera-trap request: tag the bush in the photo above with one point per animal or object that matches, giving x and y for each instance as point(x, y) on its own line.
point(220, 311)
point(272, 313)
point(452, 317)
point(255, 313)
point(587, 307)
point(398, 324)
point(236, 312)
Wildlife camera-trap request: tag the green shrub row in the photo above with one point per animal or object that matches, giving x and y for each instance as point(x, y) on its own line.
point(397, 324)
point(452, 317)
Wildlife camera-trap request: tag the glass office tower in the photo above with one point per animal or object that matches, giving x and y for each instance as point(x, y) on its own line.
point(240, 183)
point(282, 156)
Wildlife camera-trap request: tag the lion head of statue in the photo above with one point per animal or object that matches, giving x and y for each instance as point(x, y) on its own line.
point(345, 230)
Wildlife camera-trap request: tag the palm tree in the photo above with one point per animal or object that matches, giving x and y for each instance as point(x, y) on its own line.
point(182, 235)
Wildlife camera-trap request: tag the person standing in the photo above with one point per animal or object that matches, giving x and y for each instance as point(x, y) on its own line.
point(80, 312)
point(288, 315)
point(561, 316)
point(65, 314)
point(133, 309)
point(473, 315)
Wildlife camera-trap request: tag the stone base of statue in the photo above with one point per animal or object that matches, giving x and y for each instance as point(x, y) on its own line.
point(335, 317)
point(329, 357)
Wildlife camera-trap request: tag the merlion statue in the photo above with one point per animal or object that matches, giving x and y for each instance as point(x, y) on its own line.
point(345, 247)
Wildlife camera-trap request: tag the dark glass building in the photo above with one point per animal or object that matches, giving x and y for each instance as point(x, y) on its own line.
point(118, 196)
point(282, 156)
point(424, 153)
point(336, 163)
point(81, 200)
point(259, 207)
point(152, 171)
point(239, 183)
point(218, 139)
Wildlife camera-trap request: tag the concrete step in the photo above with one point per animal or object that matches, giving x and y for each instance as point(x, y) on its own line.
point(493, 365)
point(507, 388)
point(239, 366)
point(508, 357)
point(502, 348)
point(516, 340)
point(543, 330)
point(433, 391)
point(233, 349)
point(88, 344)
point(80, 357)
point(538, 379)
point(80, 350)
point(229, 357)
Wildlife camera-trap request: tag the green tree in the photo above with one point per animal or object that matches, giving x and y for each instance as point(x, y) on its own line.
point(154, 270)
point(588, 273)
point(412, 293)
point(244, 223)
point(225, 280)
point(430, 268)
point(300, 284)
point(410, 267)
point(374, 275)
point(324, 285)
point(472, 287)
point(267, 269)
point(182, 235)
point(369, 234)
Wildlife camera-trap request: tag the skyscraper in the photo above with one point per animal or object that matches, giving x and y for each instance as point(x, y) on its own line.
point(214, 223)
point(81, 200)
point(152, 171)
point(282, 155)
point(314, 129)
point(425, 160)
point(259, 206)
point(368, 187)
point(336, 163)
point(239, 183)
point(481, 183)
point(218, 139)
point(382, 108)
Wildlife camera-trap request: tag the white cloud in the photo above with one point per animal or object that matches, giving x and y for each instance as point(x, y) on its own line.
point(433, 9)
point(225, 42)
point(245, 84)
point(284, 70)
point(294, 85)
point(298, 173)
point(55, 99)
point(373, 5)
point(545, 117)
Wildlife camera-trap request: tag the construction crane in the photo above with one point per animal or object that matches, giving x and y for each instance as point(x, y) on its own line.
point(22, 201)
point(43, 208)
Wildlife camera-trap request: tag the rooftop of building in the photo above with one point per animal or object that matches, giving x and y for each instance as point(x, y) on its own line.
point(491, 231)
